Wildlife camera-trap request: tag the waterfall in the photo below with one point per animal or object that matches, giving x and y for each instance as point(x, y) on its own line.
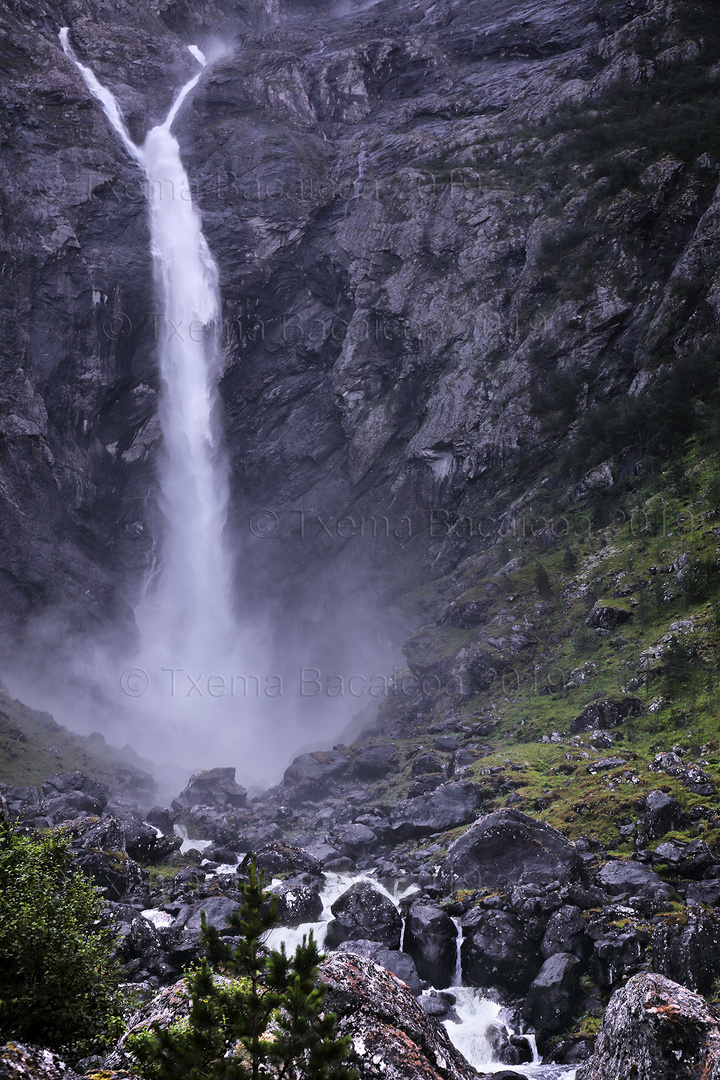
point(185, 617)
point(457, 974)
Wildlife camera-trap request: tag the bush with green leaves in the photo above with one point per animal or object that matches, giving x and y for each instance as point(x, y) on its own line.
point(58, 978)
point(263, 1016)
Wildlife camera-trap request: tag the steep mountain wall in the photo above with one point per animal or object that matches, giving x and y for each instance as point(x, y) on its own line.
point(444, 235)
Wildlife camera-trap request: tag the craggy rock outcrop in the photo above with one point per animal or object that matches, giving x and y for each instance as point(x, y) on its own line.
point(655, 1029)
point(21, 1062)
point(686, 947)
point(392, 1037)
point(431, 940)
point(212, 787)
point(553, 993)
point(508, 848)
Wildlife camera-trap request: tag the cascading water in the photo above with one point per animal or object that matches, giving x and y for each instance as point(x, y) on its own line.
point(185, 615)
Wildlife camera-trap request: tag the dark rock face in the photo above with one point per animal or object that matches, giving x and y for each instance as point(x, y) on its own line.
point(72, 791)
point(213, 787)
point(393, 1038)
point(431, 940)
point(447, 807)
point(496, 952)
point(662, 813)
point(566, 932)
point(374, 762)
point(298, 904)
point(363, 912)
point(508, 848)
point(627, 877)
point(308, 775)
point(654, 1029)
point(553, 994)
point(605, 714)
point(278, 858)
point(686, 948)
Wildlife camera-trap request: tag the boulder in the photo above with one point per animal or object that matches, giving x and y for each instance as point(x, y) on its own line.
point(161, 818)
point(374, 762)
point(363, 912)
point(608, 616)
point(70, 794)
point(686, 948)
point(431, 940)
point(625, 877)
point(655, 1029)
point(278, 858)
point(662, 813)
point(399, 963)
point(297, 904)
point(447, 807)
point(605, 714)
point(19, 1061)
point(307, 777)
point(218, 910)
point(617, 954)
point(553, 993)
point(212, 787)
point(566, 932)
point(507, 848)
point(496, 952)
point(392, 1037)
point(427, 763)
point(355, 839)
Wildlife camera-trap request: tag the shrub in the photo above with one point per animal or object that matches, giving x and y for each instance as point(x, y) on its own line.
point(266, 1019)
point(57, 975)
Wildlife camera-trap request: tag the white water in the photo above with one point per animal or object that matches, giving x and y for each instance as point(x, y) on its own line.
point(185, 618)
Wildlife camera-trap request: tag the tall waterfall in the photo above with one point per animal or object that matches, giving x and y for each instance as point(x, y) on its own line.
point(185, 617)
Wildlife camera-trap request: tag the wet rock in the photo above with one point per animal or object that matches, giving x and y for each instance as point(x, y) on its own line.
point(398, 963)
point(447, 807)
point(508, 848)
point(654, 1029)
point(431, 940)
point(162, 819)
point(308, 776)
point(496, 952)
point(72, 792)
point(278, 858)
point(625, 877)
point(686, 948)
point(375, 762)
point(355, 839)
point(218, 910)
point(363, 912)
point(617, 952)
point(215, 788)
point(566, 932)
point(605, 714)
point(662, 813)
point(427, 763)
point(553, 994)
point(297, 904)
point(393, 1038)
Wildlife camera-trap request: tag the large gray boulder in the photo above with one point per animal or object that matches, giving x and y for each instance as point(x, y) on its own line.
point(686, 947)
point(496, 951)
point(308, 775)
point(662, 813)
point(655, 1029)
point(624, 877)
point(363, 912)
point(447, 807)
point(508, 848)
point(553, 993)
point(212, 787)
point(431, 940)
point(392, 1037)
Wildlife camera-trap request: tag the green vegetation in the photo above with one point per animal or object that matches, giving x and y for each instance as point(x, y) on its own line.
point(57, 976)
point(265, 1016)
